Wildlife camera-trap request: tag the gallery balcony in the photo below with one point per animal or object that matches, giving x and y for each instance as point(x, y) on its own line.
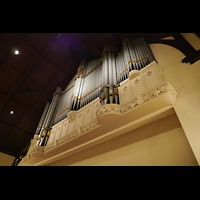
point(144, 97)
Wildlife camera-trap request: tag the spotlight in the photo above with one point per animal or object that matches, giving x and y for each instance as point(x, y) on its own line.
point(16, 52)
point(11, 112)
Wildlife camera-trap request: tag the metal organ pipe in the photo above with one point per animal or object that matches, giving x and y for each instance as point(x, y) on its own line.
point(125, 73)
point(64, 104)
point(42, 118)
point(131, 54)
point(97, 78)
point(139, 54)
point(134, 56)
point(109, 76)
point(49, 116)
point(45, 139)
point(105, 77)
point(126, 57)
point(111, 82)
point(144, 53)
point(115, 95)
point(78, 87)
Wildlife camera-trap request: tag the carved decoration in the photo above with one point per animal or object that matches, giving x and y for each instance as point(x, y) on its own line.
point(50, 146)
point(136, 81)
point(97, 105)
point(78, 132)
point(127, 107)
point(157, 91)
point(108, 108)
point(102, 110)
point(124, 88)
point(71, 116)
point(149, 73)
point(35, 149)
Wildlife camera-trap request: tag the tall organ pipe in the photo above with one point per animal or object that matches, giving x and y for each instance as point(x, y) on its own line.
point(49, 115)
point(115, 94)
point(105, 77)
point(132, 55)
point(46, 137)
point(75, 100)
point(42, 118)
point(111, 82)
point(137, 55)
point(109, 76)
point(145, 59)
point(140, 54)
point(127, 56)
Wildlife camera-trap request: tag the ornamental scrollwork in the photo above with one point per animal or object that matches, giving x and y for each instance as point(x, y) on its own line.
point(71, 116)
point(74, 134)
point(157, 91)
point(129, 106)
point(115, 108)
point(102, 110)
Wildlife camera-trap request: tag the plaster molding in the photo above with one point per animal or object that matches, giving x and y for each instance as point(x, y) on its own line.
point(50, 146)
point(76, 125)
point(36, 149)
point(71, 116)
point(166, 86)
point(108, 109)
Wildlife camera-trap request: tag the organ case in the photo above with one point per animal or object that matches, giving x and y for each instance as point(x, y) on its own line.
point(99, 78)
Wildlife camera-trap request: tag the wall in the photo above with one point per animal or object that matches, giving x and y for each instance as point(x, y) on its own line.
point(6, 160)
point(162, 142)
point(167, 147)
point(185, 78)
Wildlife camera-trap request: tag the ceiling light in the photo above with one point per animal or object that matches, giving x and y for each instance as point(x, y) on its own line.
point(16, 52)
point(11, 112)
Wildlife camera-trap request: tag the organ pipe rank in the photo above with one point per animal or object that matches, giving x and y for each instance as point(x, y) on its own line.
point(98, 78)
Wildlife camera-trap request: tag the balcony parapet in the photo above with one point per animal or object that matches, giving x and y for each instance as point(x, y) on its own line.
point(144, 97)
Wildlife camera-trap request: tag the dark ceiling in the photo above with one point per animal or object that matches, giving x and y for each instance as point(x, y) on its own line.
point(45, 61)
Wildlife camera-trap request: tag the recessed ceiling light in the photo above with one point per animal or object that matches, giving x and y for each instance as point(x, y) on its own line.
point(11, 112)
point(16, 52)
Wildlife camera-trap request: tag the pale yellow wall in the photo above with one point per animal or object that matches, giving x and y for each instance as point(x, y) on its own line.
point(186, 80)
point(167, 149)
point(160, 143)
point(159, 146)
point(6, 160)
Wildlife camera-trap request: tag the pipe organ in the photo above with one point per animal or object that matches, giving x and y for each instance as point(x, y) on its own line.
point(98, 78)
